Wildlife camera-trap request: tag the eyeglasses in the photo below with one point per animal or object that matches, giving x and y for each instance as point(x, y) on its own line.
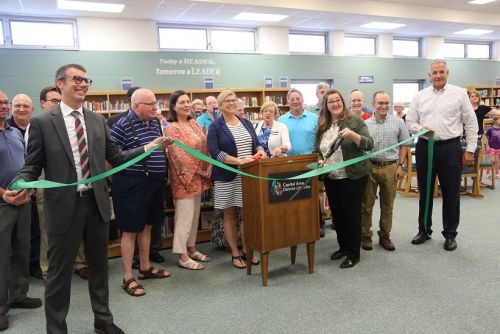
point(55, 101)
point(5, 102)
point(383, 103)
point(150, 104)
point(333, 101)
point(78, 79)
point(233, 101)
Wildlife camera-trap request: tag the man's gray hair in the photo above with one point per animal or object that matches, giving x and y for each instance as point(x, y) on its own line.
point(438, 61)
point(322, 85)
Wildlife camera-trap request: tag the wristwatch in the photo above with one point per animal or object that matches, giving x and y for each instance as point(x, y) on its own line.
point(400, 164)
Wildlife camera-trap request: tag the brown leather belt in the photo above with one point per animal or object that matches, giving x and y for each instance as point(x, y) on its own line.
point(383, 163)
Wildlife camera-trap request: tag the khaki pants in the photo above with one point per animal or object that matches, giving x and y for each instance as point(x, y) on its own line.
point(382, 177)
point(187, 215)
point(44, 264)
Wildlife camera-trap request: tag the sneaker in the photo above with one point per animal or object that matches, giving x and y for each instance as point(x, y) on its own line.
point(387, 244)
point(366, 243)
point(27, 303)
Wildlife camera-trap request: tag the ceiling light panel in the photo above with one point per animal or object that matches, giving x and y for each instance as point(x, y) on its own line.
point(473, 32)
point(90, 6)
point(247, 16)
point(382, 25)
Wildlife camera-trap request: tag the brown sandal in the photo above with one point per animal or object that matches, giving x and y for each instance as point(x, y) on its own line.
point(132, 289)
point(150, 274)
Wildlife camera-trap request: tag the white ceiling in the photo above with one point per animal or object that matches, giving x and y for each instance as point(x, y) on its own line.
point(428, 18)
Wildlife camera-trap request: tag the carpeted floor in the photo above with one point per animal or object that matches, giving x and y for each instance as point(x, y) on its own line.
point(416, 289)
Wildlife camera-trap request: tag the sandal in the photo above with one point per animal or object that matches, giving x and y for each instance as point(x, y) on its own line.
point(190, 264)
point(132, 289)
point(254, 260)
point(151, 274)
point(199, 256)
point(239, 258)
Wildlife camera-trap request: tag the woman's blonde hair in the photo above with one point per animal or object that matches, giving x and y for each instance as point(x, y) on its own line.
point(269, 104)
point(223, 95)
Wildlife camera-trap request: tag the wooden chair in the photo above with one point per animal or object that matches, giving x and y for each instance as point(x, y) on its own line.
point(473, 173)
point(410, 172)
point(483, 164)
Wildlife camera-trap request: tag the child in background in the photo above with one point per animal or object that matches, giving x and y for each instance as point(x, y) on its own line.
point(493, 145)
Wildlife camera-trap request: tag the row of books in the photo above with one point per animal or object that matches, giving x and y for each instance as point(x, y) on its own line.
point(253, 116)
point(250, 101)
point(97, 106)
point(276, 99)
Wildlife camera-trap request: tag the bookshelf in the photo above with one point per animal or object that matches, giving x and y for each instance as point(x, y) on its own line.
point(108, 103)
point(490, 95)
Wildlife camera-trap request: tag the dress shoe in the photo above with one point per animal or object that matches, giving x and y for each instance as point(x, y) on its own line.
point(27, 303)
point(348, 263)
point(107, 329)
point(337, 255)
point(322, 231)
point(450, 244)
point(386, 243)
point(36, 272)
point(83, 272)
point(366, 243)
point(4, 322)
point(333, 225)
point(420, 238)
point(156, 257)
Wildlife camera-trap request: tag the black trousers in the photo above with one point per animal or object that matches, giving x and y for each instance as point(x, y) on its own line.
point(86, 225)
point(447, 165)
point(344, 197)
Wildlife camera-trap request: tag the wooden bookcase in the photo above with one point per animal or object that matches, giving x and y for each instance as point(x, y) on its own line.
point(111, 102)
point(490, 95)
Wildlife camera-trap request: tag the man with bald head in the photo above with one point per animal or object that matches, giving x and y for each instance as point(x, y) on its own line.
point(357, 102)
point(139, 186)
point(14, 218)
point(22, 110)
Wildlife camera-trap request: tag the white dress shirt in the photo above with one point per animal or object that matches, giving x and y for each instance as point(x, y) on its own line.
point(447, 112)
point(69, 121)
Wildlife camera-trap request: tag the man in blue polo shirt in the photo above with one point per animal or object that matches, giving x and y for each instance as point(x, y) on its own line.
point(15, 223)
point(139, 186)
point(301, 124)
point(205, 119)
point(301, 128)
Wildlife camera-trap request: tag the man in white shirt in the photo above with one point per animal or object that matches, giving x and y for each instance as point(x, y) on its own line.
point(444, 110)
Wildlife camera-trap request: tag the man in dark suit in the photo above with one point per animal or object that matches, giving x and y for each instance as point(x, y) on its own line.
point(70, 143)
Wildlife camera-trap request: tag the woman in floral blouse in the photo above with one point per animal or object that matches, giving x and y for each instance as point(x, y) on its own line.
point(189, 177)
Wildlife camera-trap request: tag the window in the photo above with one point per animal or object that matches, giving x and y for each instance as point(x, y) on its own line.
point(454, 50)
point(233, 40)
point(2, 39)
point(308, 89)
point(359, 45)
point(195, 38)
point(470, 50)
point(307, 42)
point(183, 38)
point(406, 47)
point(478, 51)
point(404, 90)
point(43, 33)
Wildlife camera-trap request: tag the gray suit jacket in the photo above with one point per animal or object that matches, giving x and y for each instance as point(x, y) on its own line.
point(49, 149)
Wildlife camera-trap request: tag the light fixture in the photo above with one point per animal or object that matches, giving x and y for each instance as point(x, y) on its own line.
point(259, 17)
point(90, 6)
point(473, 32)
point(382, 25)
point(480, 2)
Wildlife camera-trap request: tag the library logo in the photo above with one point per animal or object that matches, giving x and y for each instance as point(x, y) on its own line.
point(277, 188)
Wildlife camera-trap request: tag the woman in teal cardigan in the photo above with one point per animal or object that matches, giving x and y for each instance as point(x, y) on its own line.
point(344, 186)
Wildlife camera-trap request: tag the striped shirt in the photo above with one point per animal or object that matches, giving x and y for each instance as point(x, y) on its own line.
point(389, 131)
point(123, 134)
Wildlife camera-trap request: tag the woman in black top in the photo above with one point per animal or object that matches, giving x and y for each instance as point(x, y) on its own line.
point(480, 109)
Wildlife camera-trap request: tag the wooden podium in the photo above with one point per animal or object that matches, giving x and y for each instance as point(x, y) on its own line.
point(271, 220)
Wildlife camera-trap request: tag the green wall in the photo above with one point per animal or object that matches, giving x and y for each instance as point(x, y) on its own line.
point(28, 71)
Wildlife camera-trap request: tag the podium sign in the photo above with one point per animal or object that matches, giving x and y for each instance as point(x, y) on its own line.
point(271, 220)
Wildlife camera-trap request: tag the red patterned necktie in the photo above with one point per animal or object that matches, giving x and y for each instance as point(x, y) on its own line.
point(82, 146)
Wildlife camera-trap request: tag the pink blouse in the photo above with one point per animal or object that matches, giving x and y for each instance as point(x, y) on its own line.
point(184, 180)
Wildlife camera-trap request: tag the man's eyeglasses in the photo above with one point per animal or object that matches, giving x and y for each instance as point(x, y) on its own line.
point(5, 102)
point(55, 101)
point(230, 101)
point(78, 79)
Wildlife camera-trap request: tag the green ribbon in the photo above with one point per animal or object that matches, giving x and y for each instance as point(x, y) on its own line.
point(21, 184)
point(428, 190)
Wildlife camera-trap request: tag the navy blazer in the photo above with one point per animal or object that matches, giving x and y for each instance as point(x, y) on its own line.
point(220, 139)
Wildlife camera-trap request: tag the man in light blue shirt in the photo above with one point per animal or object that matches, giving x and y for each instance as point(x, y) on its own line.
point(205, 119)
point(301, 124)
